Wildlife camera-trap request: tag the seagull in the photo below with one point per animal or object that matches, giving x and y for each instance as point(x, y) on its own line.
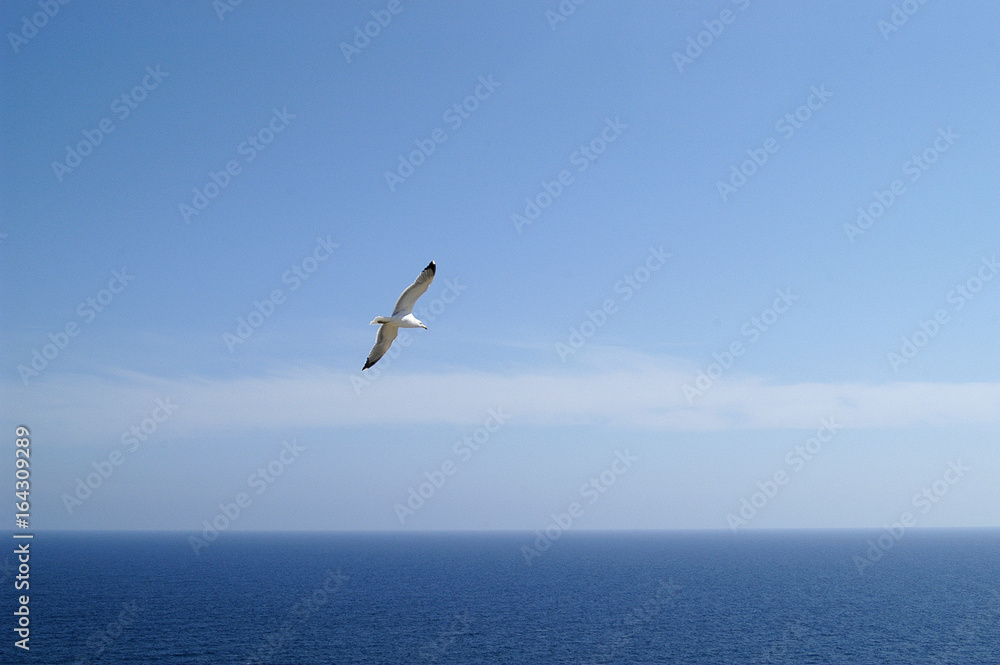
point(402, 316)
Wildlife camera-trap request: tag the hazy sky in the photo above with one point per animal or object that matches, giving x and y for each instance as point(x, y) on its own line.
point(202, 209)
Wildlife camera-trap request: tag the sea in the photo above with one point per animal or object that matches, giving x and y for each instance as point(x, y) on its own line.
point(799, 597)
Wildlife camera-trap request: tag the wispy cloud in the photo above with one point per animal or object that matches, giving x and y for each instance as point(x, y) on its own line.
point(637, 393)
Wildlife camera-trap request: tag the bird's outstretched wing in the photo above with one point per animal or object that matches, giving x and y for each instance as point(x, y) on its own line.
point(386, 333)
point(409, 297)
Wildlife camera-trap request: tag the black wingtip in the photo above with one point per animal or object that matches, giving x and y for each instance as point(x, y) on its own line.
point(432, 267)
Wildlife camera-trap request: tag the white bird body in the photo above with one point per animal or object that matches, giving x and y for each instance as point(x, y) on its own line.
point(407, 321)
point(402, 315)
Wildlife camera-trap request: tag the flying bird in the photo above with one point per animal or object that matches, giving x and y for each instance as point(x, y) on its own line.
point(402, 315)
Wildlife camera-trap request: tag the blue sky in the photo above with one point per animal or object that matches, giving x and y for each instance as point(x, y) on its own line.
point(579, 330)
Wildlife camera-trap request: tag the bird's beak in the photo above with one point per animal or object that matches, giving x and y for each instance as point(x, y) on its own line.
point(423, 326)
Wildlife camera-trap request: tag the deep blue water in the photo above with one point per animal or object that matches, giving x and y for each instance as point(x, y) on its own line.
point(692, 598)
